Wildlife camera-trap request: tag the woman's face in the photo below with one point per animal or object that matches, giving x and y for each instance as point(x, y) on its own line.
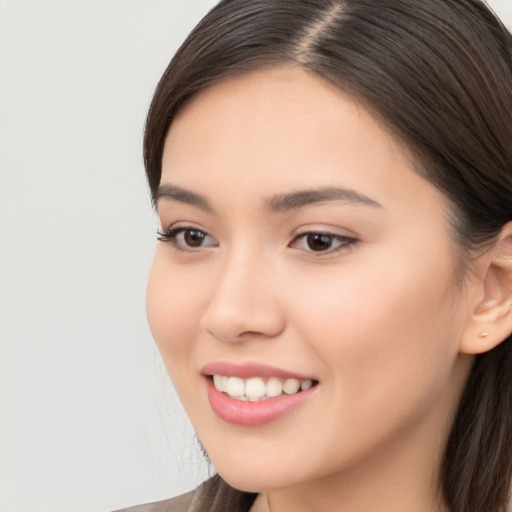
point(300, 248)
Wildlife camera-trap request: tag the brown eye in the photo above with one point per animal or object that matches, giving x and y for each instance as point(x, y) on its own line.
point(319, 242)
point(193, 237)
point(187, 239)
point(322, 242)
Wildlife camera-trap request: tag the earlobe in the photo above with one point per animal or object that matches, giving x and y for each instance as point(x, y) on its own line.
point(490, 320)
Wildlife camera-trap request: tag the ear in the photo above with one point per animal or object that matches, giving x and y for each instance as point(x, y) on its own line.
point(490, 320)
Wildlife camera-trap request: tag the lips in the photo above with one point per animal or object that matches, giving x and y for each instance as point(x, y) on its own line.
point(253, 394)
point(248, 370)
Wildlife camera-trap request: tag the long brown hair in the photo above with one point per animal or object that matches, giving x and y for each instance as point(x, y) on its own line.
point(438, 73)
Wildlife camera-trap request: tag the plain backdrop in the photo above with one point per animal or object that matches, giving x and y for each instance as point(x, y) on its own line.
point(88, 419)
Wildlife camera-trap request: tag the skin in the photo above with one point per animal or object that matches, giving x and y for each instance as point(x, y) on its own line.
point(378, 321)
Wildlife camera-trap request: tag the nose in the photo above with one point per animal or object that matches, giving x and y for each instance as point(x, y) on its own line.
point(244, 303)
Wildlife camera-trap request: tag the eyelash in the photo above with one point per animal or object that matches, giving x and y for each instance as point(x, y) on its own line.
point(344, 242)
point(175, 237)
point(171, 236)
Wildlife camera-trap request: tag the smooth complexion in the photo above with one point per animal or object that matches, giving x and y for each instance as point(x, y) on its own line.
point(372, 312)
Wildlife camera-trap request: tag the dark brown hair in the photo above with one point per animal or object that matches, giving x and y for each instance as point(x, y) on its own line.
point(438, 74)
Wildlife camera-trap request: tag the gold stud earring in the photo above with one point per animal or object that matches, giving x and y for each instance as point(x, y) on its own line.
point(484, 334)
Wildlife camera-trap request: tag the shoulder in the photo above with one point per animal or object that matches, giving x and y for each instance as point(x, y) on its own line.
point(179, 504)
point(213, 495)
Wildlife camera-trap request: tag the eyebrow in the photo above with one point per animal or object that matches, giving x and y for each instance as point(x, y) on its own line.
point(181, 195)
point(277, 204)
point(296, 200)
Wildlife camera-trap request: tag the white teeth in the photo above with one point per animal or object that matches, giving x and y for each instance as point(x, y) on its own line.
point(291, 386)
point(306, 384)
point(218, 381)
point(235, 387)
point(274, 387)
point(255, 388)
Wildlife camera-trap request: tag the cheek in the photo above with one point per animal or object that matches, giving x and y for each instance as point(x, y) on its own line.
point(386, 346)
point(173, 301)
point(382, 325)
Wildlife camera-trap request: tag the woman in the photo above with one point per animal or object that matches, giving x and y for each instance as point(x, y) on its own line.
point(332, 288)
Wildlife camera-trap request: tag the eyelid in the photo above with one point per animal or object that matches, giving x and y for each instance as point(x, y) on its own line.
point(170, 235)
point(346, 242)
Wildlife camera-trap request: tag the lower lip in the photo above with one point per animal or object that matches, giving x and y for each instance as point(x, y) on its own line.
point(253, 414)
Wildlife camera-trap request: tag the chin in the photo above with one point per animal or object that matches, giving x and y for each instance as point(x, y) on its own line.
point(250, 482)
point(255, 476)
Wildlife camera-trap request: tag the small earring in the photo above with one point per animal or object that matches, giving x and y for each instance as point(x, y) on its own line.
point(484, 334)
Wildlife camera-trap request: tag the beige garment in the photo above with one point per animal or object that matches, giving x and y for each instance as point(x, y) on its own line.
point(179, 504)
point(214, 494)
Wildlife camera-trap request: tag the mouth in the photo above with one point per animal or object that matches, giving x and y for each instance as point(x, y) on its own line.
point(256, 389)
point(251, 394)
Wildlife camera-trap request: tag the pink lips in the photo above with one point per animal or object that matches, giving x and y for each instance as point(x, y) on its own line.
point(251, 414)
point(248, 370)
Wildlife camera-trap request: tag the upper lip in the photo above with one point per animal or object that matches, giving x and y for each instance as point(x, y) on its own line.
point(250, 369)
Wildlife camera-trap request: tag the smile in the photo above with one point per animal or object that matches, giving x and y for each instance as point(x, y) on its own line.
point(258, 388)
point(251, 394)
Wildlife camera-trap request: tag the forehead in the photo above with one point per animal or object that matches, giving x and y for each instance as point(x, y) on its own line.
point(277, 131)
point(272, 117)
point(267, 101)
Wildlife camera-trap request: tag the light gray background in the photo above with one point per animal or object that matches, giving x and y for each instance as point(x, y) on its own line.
point(88, 421)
